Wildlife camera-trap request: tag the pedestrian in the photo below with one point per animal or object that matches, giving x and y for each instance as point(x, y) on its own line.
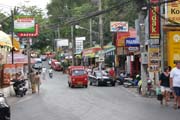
point(165, 84)
point(112, 72)
point(37, 81)
point(50, 72)
point(175, 84)
point(32, 81)
point(44, 73)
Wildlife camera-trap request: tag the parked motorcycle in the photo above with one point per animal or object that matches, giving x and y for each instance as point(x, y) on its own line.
point(4, 108)
point(130, 82)
point(20, 87)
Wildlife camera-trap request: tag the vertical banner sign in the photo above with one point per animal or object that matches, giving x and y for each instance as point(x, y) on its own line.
point(173, 11)
point(154, 21)
point(173, 47)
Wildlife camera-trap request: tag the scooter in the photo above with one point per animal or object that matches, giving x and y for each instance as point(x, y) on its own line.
point(20, 87)
point(50, 75)
point(130, 82)
point(4, 108)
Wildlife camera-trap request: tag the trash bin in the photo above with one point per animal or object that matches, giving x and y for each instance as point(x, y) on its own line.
point(4, 108)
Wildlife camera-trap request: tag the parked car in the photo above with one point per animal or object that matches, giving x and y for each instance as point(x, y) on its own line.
point(55, 65)
point(101, 78)
point(43, 57)
point(77, 76)
point(37, 65)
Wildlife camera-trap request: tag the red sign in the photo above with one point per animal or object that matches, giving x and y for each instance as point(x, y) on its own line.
point(35, 34)
point(154, 21)
point(121, 36)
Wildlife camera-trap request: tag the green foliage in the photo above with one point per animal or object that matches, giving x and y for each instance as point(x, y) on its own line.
point(61, 11)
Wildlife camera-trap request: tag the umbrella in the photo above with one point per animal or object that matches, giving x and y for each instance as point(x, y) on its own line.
point(5, 39)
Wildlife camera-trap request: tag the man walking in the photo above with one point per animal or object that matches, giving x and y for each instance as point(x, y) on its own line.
point(175, 84)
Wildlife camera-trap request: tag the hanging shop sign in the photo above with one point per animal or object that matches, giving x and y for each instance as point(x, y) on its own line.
point(132, 42)
point(119, 26)
point(154, 21)
point(173, 11)
point(121, 36)
point(154, 58)
point(35, 34)
point(173, 47)
point(24, 24)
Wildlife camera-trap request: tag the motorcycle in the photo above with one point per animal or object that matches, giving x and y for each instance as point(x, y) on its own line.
point(50, 75)
point(130, 82)
point(4, 108)
point(20, 87)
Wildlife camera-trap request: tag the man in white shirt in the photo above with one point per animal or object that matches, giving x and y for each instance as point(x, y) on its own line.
point(175, 84)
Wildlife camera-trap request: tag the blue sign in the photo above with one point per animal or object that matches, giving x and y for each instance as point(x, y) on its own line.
point(132, 42)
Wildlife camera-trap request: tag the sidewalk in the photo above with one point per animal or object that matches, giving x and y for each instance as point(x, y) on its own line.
point(15, 99)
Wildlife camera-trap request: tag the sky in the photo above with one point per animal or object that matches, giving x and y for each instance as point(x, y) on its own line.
point(6, 5)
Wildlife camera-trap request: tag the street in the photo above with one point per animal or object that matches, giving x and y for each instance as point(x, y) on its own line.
point(57, 101)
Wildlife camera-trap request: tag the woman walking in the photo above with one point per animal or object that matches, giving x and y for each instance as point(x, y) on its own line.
point(165, 85)
point(37, 81)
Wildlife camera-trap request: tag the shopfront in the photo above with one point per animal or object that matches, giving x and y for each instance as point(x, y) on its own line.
point(88, 55)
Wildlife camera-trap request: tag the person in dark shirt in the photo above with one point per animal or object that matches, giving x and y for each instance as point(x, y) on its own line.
point(165, 84)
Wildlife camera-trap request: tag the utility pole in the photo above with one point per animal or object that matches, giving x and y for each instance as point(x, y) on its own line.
point(90, 30)
point(12, 34)
point(73, 43)
point(100, 25)
point(58, 31)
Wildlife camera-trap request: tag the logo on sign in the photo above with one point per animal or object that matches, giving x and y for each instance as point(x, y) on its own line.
point(176, 38)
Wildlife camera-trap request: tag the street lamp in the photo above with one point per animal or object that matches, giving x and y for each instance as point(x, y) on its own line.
point(90, 30)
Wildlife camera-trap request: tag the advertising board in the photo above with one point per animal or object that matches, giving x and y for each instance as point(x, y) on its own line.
point(119, 26)
point(24, 24)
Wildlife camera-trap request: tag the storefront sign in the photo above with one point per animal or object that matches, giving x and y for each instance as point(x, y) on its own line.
point(132, 42)
point(132, 49)
point(121, 36)
point(35, 34)
point(173, 11)
point(154, 58)
point(119, 26)
point(24, 24)
point(173, 47)
point(8, 73)
point(154, 21)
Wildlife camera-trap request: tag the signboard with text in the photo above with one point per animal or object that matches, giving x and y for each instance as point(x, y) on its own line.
point(173, 47)
point(132, 42)
point(119, 26)
point(24, 24)
point(154, 21)
point(173, 11)
point(35, 34)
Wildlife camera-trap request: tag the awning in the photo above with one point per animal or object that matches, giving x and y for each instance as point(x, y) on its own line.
point(16, 44)
point(91, 52)
point(5, 39)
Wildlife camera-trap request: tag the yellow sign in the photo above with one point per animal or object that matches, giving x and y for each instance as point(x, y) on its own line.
point(154, 58)
point(173, 47)
point(173, 11)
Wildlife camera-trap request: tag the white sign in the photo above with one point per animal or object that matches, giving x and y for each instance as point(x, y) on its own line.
point(80, 38)
point(79, 46)
point(62, 42)
point(119, 26)
point(133, 48)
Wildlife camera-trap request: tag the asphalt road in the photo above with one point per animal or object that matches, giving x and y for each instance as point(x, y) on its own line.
point(57, 101)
